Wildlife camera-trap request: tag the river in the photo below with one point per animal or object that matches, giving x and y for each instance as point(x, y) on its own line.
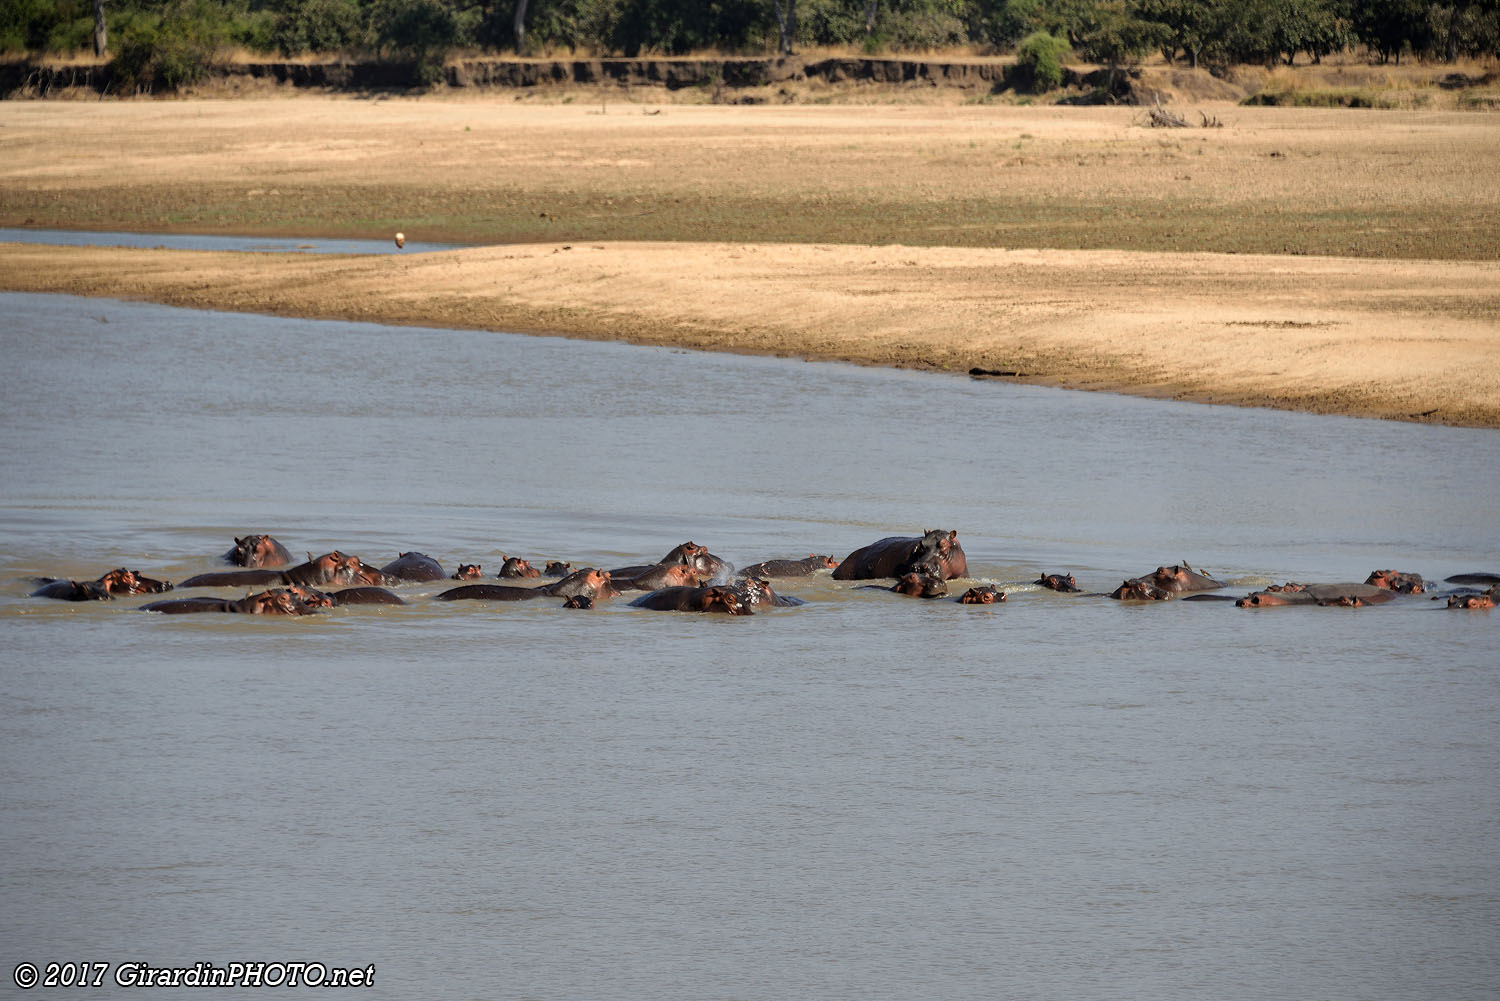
point(864, 797)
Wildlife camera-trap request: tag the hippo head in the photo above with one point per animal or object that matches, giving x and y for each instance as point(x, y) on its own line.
point(468, 571)
point(1058, 582)
point(359, 572)
point(1344, 601)
point(680, 575)
point(579, 601)
point(937, 553)
point(1182, 577)
point(256, 551)
point(596, 583)
point(557, 568)
point(824, 562)
point(309, 597)
point(1471, 601)
point(755, 591)
point(278, 601)
point(723, 599)
point(981, 596)
point(1262, 599)
point(331, 567)
point(920, 585)
point(1396, 580)
point(1140, 589)
point(685, 553)
point(514, 566)
point(120, 581)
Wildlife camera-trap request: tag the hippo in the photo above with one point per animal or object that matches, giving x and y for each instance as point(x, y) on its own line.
point(579, 601)
point(1058, 582)
point(330, 568)
point(415, 567)
point(468, 571)
point(589, 581)
point(789, 568)
point(257, 552)
point(756, 592)
point(364, 595)
point(118, 581)
point(694, 599)
point(311, 597)
point(981, 596)
point(1325, 595)
point(708, 565)
point(557, 568)
point(1473, 578)
point(278, 601)
point(1164, 584)
point(236, 578)
point(489, 592)
point(514, 566)
point(937, 551)
point(73, 590)
point(179, 606)
point(1399, 581)
point(663, 575)
point(1471, 601)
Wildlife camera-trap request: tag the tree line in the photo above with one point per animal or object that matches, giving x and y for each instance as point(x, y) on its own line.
point(166, 39)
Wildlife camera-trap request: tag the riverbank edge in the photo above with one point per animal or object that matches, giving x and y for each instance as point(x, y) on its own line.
point(1030, 317)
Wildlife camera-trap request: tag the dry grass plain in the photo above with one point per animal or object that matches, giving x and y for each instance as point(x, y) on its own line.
point(1337, 261)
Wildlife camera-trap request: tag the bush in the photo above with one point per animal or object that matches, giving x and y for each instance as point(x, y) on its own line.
point(1040, 56)
point(168, 51)
point(319, 26)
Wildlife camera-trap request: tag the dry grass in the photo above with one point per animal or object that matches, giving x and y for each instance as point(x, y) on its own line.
point(479, 170)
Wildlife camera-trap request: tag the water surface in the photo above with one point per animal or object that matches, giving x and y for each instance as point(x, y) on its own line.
point(868, 796)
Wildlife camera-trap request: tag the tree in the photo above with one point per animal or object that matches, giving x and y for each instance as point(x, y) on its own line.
point(1388, 26)
point(786, 24)
point(1112, 34)
point(519, 27)
point(421, 30)
point(101, 35)
point(1186, 26)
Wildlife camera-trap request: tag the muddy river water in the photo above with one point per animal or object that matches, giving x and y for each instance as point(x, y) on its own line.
point(864, 797)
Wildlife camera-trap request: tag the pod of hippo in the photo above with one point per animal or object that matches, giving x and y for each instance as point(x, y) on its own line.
point(688, 578)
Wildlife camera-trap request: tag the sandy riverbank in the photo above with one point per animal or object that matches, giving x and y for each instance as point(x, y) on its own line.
point(1334, 261)
point(1394, 339)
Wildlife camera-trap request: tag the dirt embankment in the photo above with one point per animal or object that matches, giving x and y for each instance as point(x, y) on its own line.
point(731, 81)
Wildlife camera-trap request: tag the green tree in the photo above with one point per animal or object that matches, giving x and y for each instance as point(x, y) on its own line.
point(320, 26)
point(169, 48)
point(1040, 57)
point(1186, 27)
point(1389, 27)
point(424, 31)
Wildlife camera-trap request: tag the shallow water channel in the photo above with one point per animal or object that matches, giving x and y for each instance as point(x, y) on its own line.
point(865, 797)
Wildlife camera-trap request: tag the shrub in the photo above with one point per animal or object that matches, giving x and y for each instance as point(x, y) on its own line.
point(168, 51)
point(319, 26)
point(1040, 56)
